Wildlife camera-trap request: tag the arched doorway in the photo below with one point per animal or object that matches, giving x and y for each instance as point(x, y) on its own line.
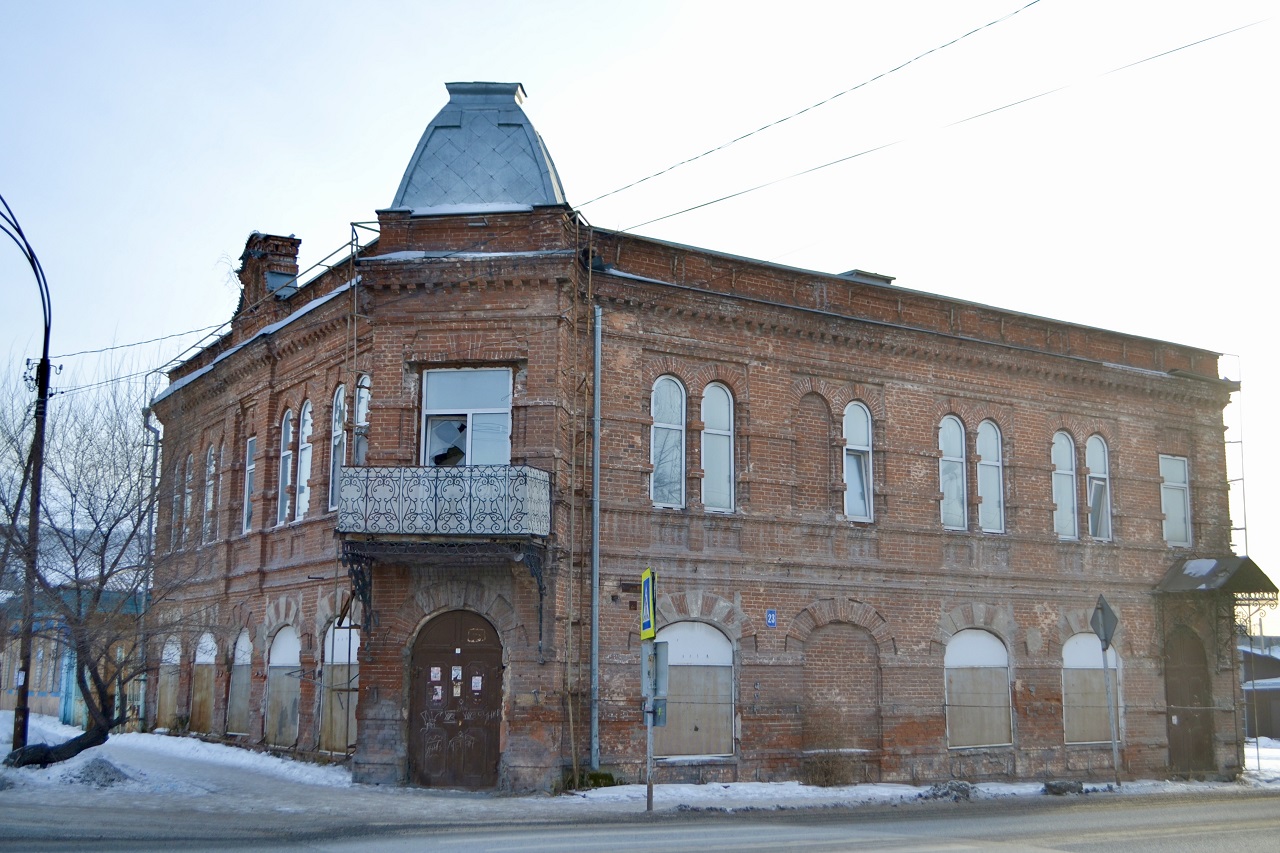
point(1189, 695)
point(455, 703)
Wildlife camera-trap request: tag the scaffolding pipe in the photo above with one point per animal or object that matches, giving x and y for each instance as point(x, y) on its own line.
point(595, 543)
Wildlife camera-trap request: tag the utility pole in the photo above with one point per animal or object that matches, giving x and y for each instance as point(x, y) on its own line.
point(22, 704)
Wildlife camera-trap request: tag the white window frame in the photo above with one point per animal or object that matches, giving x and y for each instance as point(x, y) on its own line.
point(990, 471)
point(1097, 458)
point(360, 434)
point(188, 499)
point(724, 452)
point(337, 444)
point(1066, 518)
point(306, 425)
point(858, 456)
point(175, 510)
point(209, 529)
point(673, 430)
point(284, 502)
point(429, 411)
point(250, 469)
point(952, 468)
point(1176, 495)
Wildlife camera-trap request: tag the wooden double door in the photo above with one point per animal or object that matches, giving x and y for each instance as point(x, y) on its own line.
point(455, 703)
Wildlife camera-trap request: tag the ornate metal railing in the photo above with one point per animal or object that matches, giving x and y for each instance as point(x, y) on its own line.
point(476, 500)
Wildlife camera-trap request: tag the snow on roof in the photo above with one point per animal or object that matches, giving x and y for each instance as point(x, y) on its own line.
point(413, 255)
point(264, 332)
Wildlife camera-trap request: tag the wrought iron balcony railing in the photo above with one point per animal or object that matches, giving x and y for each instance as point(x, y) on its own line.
point(475, 500)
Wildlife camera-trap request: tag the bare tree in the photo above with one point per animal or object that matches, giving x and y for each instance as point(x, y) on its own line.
point(95, 590)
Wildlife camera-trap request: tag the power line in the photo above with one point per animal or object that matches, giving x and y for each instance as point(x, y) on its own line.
point(811, 107)
point(140, 343)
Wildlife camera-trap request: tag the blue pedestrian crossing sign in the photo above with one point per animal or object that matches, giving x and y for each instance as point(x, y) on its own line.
point(648, 604)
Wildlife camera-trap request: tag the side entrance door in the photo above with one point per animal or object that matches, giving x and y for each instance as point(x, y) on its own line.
point(1189, 695)
point(455, 703)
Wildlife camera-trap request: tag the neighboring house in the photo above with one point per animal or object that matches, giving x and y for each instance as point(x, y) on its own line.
point(1260, 679)
point(880, 519)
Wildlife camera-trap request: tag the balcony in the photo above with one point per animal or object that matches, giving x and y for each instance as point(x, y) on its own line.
point(470, 501)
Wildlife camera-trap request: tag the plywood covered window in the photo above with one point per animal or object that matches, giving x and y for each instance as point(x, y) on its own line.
point(202, 683)
point(1084, 689)
point(167, 684)
point(717, 448)
point(284, 672)
point(700, 692)
point(666, 443)
point(977, 690)
point(340, 682)
point(238, 694)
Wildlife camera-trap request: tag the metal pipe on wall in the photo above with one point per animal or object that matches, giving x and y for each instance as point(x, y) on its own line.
point(595, 543)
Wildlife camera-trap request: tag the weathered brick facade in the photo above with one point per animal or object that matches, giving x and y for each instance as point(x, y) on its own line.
point(852, 664)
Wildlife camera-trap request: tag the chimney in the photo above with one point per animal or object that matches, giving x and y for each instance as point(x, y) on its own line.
point(268, 267)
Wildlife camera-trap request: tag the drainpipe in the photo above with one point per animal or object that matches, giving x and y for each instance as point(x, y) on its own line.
point(595, 546)
point(145, 604)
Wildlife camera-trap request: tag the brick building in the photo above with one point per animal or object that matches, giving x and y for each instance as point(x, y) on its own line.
point(880, 518)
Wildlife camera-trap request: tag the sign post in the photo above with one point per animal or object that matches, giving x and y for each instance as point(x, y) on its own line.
point(653, 674)
point(1104, 622)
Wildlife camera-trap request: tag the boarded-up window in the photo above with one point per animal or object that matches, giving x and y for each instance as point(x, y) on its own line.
point(238, 694)
point(977, 683)
point(1084, 691)
point(202, 681)
point(283, 683)
point(699, 693)
point(340, 683)
point(167, 685)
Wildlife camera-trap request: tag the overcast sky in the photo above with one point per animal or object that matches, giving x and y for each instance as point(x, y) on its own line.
point(140, 143)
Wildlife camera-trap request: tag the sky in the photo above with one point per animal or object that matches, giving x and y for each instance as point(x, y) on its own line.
point(1104, 162)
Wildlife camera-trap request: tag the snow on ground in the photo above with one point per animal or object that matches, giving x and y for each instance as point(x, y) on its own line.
point(156, 766)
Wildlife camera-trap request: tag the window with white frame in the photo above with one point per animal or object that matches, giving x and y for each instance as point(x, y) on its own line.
point(951, 474)
point(175, 510)
point(466, 417)
point(699, 691)
point(188, 499)
point(857, 462)
point(666, 443)
point(209, 528)
point(1098, 487)
point(990, 478)
point(284, 503)
point(337, 444)
point(1064, 487)
point(1085, 718)
point(979, 712)
point(306, 424)
point(360, 434)
point(250, 468)
point(1175, 499)
point(717, 448)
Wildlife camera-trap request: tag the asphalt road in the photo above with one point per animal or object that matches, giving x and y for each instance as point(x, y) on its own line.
point(1238, 821)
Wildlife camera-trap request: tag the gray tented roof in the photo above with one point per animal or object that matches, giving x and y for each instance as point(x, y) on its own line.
point(479, 152)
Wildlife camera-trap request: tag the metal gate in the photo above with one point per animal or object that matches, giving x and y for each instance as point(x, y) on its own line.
point(1189, 696)
point(455, 703)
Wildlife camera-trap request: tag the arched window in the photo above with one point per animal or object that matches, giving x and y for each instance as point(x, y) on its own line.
point(340, 681)
point(202, 684)
point(283, 683)
point(305, 426)
point(1064, 486)
point(360, 440)
point(210, 528)
point(238, 694)
point(1098, 487)
point(1085, 717)
point(951, 474)
point(857, 462)
point(337, 444)
point(699, 691)
point(175, 510)
point(250, 468)
point(979, 712)
point(990, 478)
point(666, 444)
point(167, 684)
point(285, 496)
point(188, 499)
point(717, 448)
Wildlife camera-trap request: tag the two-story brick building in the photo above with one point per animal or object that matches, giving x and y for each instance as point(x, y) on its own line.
point(432, 475)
